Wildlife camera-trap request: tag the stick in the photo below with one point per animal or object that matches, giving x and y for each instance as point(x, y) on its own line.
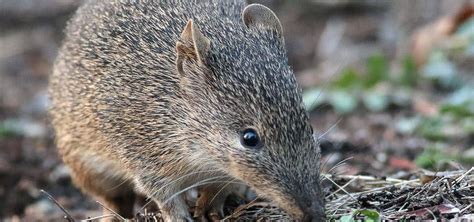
point(67, 216)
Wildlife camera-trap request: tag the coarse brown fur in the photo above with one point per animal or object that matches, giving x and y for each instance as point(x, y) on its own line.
point(152, 97)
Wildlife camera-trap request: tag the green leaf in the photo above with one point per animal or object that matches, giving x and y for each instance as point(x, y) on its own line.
point(463, 95)
point(347, 218)
point(347, 80)
point(377, 70)
point(343, 101)
point(442, 71)
point(7, 130)
point(371, 215)
point(432, 128)
point(467, 125)
point(459, 111)
point(375, 101)
point(312, 98)
point(407, 125)
point(466, 28)
point(470, 50)
point(401, 97)
point(409, 75)
point(467, 156)
point(432, 157)
point(460, 103)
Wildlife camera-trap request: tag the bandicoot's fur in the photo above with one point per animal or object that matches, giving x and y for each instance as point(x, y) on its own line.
point(152, 97)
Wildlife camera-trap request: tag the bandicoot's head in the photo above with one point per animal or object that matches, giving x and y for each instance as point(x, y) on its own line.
point(246, 110)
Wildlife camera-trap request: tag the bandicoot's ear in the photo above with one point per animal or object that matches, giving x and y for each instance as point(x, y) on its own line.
point(256, 15)
point(192, 44)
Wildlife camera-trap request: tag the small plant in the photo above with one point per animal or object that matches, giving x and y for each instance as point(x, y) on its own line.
point(375, 89)
point(361, 215)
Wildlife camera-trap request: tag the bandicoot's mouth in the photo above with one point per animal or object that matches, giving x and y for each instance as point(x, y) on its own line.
point(290, 205)
point(301, 207)
point(287, 207)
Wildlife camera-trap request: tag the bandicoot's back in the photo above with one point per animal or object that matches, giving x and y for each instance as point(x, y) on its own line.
point(158, 97)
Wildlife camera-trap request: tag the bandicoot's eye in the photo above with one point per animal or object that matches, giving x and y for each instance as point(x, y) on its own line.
point(250, 138)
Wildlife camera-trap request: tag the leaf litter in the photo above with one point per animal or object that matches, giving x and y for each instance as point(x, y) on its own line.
point(425, 195)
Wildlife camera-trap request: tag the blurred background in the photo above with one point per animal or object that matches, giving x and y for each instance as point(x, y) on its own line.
point(389, 86)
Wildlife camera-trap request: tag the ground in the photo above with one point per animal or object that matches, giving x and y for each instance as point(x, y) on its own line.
point(382, 106)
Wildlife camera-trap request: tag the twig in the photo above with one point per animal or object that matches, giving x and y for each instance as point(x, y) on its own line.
point(113, 212)
point(463, 175)
point(469, 206)
point(340, 188)
point(67, 216)
point(99, 217)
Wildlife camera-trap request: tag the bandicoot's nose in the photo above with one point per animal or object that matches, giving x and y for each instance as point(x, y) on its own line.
point(313, 210)
point(314, 214)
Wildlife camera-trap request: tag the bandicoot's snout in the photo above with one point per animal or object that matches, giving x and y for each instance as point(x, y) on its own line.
point(314, 213)
point(312, 206)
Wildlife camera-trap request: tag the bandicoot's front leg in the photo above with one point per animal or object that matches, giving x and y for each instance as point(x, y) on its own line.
point(210, 204)
point(175, 209)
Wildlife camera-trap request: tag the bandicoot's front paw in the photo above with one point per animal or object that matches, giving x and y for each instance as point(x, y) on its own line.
point(210, 204)
point(204, 213)
point(180, 218)
point(175, 210)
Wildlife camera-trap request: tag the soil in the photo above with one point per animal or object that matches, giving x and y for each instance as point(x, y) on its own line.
point(366, 143)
